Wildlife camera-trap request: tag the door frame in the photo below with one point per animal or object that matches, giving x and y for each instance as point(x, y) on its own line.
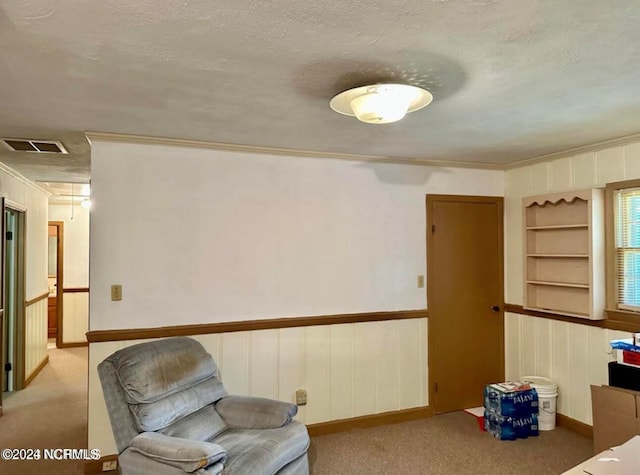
point(2, 202)
point(19, 336)
point(59, 279)
point(430, 200)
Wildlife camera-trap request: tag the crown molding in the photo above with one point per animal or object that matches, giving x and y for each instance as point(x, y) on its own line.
point(594, 147)
point(23, 179)
point(230, 147)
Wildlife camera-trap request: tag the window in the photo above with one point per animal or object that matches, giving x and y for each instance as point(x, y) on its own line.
point(626, 211)
point(622, 224)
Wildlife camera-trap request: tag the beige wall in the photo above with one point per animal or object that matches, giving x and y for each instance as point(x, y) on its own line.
point(26, 196)
point(75, 306)
point(76, 242)
point(575, 355)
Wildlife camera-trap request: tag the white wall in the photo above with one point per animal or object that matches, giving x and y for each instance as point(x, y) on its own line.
point(20, 192)
point(201, 236)
point(75, 306)
point(266, 236)
point(575, 355)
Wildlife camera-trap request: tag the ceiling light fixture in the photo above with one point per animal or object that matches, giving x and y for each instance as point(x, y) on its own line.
point(381, 103)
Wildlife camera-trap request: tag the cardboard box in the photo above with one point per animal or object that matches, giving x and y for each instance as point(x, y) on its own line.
point(631, 357)
point(623, 460)
point(616, 416)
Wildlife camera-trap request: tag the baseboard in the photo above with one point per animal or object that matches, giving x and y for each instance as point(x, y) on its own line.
point(372, 420)
point(77, 344)
point(95, 466)
point(574, 425)
point(35, 372)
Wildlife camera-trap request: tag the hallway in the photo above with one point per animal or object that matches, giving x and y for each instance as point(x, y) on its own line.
point(50, 413)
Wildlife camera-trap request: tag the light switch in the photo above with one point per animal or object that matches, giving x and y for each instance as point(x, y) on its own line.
point(116, 292)
point(420, 281)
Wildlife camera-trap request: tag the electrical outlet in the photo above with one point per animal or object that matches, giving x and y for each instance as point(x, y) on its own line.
point(116, 292)
point(420, 281)
point(109, 465)
point(301, 397)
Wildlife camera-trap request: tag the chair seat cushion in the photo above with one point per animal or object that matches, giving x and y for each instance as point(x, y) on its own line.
point(262, 451)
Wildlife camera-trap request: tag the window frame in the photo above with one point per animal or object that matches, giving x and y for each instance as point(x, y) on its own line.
point(613, 312)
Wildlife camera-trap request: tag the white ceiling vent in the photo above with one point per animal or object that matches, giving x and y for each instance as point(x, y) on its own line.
point(37, 146)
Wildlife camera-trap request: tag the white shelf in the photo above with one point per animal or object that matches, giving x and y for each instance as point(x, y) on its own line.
point(568, 314)
point(572, 256)
point(558, 226)
point(564, 253)
point(558, 284)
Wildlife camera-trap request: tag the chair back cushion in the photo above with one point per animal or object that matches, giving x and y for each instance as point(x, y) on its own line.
point(164, 381)
point(155, 370)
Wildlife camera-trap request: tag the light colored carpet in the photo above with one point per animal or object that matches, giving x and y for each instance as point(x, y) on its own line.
point(50, 413)
point(443, 445)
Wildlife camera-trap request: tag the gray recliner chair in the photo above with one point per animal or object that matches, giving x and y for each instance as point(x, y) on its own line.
point(170, 414)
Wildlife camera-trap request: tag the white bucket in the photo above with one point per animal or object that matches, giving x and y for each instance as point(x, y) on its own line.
point(547, 390)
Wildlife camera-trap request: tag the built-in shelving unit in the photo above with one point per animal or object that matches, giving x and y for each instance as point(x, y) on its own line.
point(564, 253)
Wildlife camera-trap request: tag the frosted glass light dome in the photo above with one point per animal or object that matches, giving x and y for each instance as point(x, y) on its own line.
point(381, 103)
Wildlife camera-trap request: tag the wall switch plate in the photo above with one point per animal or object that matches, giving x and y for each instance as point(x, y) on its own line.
point(420, 281)
point(109, 465)
point(116, 292)
point(301, 397)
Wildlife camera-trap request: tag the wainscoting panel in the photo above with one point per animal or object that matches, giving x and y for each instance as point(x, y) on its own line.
point(318, 373)
point(574, 355)
point(292, 364)
point(411, 377)
point(387, 366)
point(234, 362)
point(75, 306)
point(35, 341)
point(348, 370)
point(342, 349)
point(364, 369)
point(263, 364)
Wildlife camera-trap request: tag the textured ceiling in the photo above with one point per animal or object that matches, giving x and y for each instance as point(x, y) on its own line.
point(511, 79)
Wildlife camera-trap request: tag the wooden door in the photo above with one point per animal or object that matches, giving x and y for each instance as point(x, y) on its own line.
point(465, 297)
point(52, 317)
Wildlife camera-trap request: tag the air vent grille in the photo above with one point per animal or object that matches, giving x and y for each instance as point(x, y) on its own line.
point(36, 146)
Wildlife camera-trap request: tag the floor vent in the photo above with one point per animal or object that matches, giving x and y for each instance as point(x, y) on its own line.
point(37, 146)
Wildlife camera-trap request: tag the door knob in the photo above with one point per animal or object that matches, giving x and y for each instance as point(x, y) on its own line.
point(495, 308)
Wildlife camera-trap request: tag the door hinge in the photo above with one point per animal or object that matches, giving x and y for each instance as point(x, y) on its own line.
point(435, 386)
point(9, 236)
point(433, 228)
point(7, 366)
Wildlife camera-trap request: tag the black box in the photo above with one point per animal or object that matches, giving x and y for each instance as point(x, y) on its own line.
point(624, 376)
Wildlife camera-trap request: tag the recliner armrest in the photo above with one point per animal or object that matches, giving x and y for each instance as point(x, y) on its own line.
point(244, 412)
point(185, 454)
